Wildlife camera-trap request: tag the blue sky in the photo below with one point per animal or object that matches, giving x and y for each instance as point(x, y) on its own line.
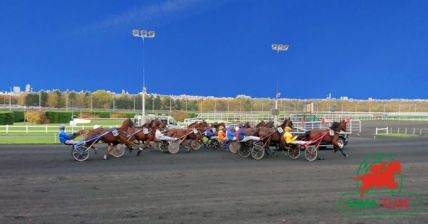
point(355, 48)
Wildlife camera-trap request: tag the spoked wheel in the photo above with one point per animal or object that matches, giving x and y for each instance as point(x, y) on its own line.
point(311, 153)
point(293, 152)
point(163, 146)
point(244, 151)
point(234, 147)
point(214, 144)
point(196, 145)
point(187, 145)
point(174, 147)
point(118, 150)
point(80, 153)
point(257, 152)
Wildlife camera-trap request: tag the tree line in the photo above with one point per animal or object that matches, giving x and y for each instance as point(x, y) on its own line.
point(106, 100)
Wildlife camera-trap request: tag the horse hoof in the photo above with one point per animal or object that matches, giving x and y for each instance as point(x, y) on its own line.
point(105, 157)
point(139, 152)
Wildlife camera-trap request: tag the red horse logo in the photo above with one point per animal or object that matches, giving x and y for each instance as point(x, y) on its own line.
point(379, 175)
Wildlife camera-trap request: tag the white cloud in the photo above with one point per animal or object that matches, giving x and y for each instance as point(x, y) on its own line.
point(160, 12)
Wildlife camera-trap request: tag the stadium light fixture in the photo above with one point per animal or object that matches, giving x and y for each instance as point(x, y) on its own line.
point(279, 47)
point(143, 34)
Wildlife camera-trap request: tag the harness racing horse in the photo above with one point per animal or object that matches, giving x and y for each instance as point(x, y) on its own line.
point(270, 135)
point(188, 134)
point(145, 134)
point(328, 138)
point(108, 137)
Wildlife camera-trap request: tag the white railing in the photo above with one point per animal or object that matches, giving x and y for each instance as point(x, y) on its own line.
point(39, 128)
point(406, 131)
point(354, 126)
point(384, 130)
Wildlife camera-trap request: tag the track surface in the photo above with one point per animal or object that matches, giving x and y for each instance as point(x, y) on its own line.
point(41, 184)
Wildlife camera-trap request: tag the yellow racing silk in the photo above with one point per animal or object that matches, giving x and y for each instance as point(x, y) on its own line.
point(289, 138)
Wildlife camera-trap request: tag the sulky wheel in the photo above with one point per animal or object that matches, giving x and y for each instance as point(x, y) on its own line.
point(257, 152)
point(293, 151)
point(234, 147)
point(118, 150)
point(163, 146)
point(174, 147)
point(311, 153)
point(80, 153)
point(214, 144)
point(244, 151)
point(196, 145)
point(187, 145)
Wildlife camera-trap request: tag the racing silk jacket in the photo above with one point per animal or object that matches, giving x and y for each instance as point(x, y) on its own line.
point(221, 135)
point(230, 134)
point(64, 136)
point(289, 138)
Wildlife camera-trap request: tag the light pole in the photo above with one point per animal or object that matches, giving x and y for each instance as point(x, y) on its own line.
point(170, 105)
point(92, 105)
point(278, 48)
point(10, 100)
point(40, 100)
point(143, 34)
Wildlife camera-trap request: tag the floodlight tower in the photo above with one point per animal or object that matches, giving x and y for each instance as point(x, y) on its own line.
point(278, 48)
point(143, 34)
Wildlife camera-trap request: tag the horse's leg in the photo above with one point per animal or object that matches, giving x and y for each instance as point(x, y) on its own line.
point(129, 144)
point(337, 148)
point(109, 148)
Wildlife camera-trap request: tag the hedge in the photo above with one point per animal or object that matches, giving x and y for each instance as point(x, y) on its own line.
point(19, 116)
point(6, 118)
point(103, 114)
point(58, 116)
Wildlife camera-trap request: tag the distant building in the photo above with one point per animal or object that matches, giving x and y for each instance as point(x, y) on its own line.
point(27, 88)
point(16, 89)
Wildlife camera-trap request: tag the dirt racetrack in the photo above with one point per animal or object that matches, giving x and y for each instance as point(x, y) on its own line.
point(42, 184)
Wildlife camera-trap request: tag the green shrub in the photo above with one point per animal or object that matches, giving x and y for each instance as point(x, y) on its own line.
point(6, 118)
point(103, 114)
point(19, 116)
point(59, 116)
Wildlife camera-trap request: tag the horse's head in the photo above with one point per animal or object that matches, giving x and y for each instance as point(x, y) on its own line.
point(287, 123)
point(127, 123)
point(158, 124)
point(342, 125)
point(335, 126)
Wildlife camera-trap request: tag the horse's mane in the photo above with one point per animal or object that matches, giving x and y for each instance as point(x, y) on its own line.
point(335, 125)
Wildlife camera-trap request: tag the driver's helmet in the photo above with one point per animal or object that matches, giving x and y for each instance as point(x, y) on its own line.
point(61, 127)
point(97, 126)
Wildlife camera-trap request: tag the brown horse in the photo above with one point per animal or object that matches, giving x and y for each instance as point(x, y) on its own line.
point(108, 137)
point(201, 126)
point(336, 127)
point(145, 134)
point(271, 135)
point(186, 133)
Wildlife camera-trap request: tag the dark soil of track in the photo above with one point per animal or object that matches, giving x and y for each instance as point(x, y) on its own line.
point(42, 184)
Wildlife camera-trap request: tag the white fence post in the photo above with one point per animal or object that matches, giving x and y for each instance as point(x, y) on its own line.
point(46, 128)
point(7, 129)
point(26, 128)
